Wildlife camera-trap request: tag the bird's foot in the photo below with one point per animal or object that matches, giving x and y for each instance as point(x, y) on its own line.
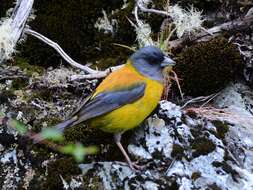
point(134, 166)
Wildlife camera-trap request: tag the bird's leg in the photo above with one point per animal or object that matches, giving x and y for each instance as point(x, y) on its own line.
point(117, 138)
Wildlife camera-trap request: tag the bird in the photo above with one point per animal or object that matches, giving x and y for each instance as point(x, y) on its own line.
point(125, 98)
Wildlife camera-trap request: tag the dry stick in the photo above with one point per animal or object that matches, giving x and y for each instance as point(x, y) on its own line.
point(60, 51)
point(92, 73)
point(140, 4)
point(178, 85)
point(200, 99)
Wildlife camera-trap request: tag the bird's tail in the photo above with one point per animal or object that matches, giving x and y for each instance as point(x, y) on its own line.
point(60, 127)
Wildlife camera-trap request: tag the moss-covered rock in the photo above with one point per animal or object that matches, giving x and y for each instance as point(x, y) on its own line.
point(221, 127)
point(206, 67)
point(202, 146)
point(177, 151)
point(30, 70)
point(65, 167)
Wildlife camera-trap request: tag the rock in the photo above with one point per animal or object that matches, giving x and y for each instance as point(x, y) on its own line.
point(180, 152)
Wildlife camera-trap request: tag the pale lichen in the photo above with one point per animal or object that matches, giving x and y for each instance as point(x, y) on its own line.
point(186, 21)
point(104, 24)
point(7, 40)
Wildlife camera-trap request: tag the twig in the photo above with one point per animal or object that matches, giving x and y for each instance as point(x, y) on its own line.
point(200, 99)
point(100, 74)
point(92, 74)
point(231, 116)
point(140, 4)
point(60, 51)
point(211, 98)
point(2, 78)
point(178, 85)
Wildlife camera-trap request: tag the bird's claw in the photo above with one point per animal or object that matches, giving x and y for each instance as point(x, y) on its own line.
point(135, 167)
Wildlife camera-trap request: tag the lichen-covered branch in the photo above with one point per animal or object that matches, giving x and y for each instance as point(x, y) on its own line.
point(11, 29)
point(231, 27)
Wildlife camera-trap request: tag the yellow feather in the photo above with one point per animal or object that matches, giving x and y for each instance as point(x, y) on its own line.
point(130, 115)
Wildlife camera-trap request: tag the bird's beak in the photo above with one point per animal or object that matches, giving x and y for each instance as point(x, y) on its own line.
point(167, 62)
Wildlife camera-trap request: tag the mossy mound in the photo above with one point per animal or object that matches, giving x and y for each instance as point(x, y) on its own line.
point(206, 67)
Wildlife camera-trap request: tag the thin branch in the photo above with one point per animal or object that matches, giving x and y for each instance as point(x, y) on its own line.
point(100, 74)
point(2, 78)
point(140, 4)
point(60, 51)
point(92, 74)
point(178, 84)
point(205, 99)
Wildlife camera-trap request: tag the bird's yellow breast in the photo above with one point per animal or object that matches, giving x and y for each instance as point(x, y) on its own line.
point(129, 115)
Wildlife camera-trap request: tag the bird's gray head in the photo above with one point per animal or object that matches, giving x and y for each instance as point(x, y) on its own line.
point(150, 61)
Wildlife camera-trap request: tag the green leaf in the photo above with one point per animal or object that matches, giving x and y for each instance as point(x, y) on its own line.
point(78, 151)
point(20, 127)
point(2, 114)
point(52, 134)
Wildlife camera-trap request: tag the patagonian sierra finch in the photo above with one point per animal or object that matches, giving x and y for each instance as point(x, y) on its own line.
point(126, 97)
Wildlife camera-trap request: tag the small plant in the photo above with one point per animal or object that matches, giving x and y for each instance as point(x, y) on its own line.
point(78, 151)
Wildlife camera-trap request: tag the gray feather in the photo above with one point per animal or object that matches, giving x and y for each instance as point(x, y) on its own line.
point(108, 101)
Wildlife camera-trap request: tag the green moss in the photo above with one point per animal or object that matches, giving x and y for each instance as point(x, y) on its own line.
point(206, 67)
point(221, 127)
point(6, 95)
point(202, 146)
point(66, 167)
point(19, 83)
point(214, 187)
point(92, 182)
point(43, 94)
point(195, 175)
point(29, 69)
point(177, 151)
point(108, 151)
point(227, 168)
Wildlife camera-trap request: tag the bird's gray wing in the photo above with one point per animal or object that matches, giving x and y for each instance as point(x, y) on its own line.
point(106, 102)
point(103, 103)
